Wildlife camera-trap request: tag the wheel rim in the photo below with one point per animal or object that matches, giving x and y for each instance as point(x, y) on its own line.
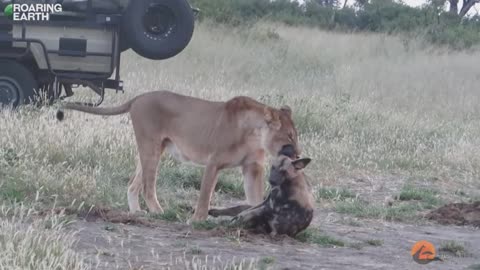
point(9, 91)
point(159, 21)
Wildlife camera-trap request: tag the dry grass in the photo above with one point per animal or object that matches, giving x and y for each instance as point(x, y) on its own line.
point(367, 106)
point(30, 243)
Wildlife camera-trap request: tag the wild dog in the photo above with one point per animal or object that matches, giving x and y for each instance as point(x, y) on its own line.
point(215, 135)
point(288, 208)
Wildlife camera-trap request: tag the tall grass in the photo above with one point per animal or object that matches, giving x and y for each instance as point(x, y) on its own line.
point(363, 103)
point(369, 103)
point(32, 243)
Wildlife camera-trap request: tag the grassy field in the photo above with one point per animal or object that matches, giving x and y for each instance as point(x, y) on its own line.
point(383, 118)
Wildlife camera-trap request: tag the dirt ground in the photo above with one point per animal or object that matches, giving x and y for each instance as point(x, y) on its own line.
point(457, 214)
point(163, 245)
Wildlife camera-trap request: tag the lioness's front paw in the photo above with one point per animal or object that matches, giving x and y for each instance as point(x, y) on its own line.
point(196, 218)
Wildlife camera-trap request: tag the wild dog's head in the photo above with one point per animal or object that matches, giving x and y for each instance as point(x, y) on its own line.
point(286, 169)
point(281, 136)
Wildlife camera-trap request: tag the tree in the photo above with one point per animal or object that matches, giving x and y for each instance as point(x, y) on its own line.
point(361, 3)
point(467, 5)
point(453, 6)
point(328, 3)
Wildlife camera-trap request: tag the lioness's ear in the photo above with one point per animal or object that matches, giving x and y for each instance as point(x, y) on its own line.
point(301, 163)
point(268, 114)
point(272, 119)
point(286, 109)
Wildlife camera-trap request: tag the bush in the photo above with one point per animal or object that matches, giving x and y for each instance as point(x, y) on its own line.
point(385, 16)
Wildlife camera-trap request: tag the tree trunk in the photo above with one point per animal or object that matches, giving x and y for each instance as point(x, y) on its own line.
point(467, 5)
point(453, 6)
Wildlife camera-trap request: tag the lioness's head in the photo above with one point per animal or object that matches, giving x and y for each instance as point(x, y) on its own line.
point(286, 169)
point(280, 136)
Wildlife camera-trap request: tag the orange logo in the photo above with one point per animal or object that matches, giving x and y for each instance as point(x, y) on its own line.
point(423, 252)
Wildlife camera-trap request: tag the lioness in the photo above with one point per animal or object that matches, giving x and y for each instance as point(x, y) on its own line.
point(215, 135)
point(288, 208)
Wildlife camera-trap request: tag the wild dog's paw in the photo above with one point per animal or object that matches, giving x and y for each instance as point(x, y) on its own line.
point(214, 212)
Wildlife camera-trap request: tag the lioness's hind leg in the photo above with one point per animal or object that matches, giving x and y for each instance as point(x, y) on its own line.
point(149, 153)
point(251, 217)
point(134, 188)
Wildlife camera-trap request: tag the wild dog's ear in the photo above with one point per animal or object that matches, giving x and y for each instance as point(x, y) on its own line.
point(271, 117)
point(301, 163)
point(286, 109)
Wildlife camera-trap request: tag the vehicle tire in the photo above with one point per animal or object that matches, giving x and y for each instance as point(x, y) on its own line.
point(124, 45)
point(17, 84)
point(158, 29)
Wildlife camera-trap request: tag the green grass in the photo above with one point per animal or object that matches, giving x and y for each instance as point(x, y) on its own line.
point(14, 191)
point(374, 242)
point(229, 182)
point(334, 194)
point(453, 247)
point(175, 212)
point(428, 197)
point(411, 201)
point(266, 263)
point(205, 225)
point(313, 236)
point(362, 209)
point(195, 250)
point(350, 222)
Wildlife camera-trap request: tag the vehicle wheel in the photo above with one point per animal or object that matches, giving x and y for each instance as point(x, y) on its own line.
point(17, 84)
point(124, 45)
point(158, 29)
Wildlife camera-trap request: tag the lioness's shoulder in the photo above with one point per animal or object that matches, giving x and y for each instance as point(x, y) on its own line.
point(242, 103)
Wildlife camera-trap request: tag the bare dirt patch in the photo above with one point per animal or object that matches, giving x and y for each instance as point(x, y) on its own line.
point(457, 214)
point(124, 242)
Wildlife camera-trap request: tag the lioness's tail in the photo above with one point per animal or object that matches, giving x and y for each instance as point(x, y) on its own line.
point(124, 108)
point(232, 211)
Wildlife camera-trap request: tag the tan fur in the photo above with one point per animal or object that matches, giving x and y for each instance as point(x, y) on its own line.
point(215, 135)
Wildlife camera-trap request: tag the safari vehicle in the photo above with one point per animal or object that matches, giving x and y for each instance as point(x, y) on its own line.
point(81, 44)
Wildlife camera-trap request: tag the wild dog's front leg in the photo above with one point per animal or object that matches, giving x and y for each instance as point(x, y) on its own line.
point(250, 217)
point(253, 183)
point(207, 187)
point(231, 212)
